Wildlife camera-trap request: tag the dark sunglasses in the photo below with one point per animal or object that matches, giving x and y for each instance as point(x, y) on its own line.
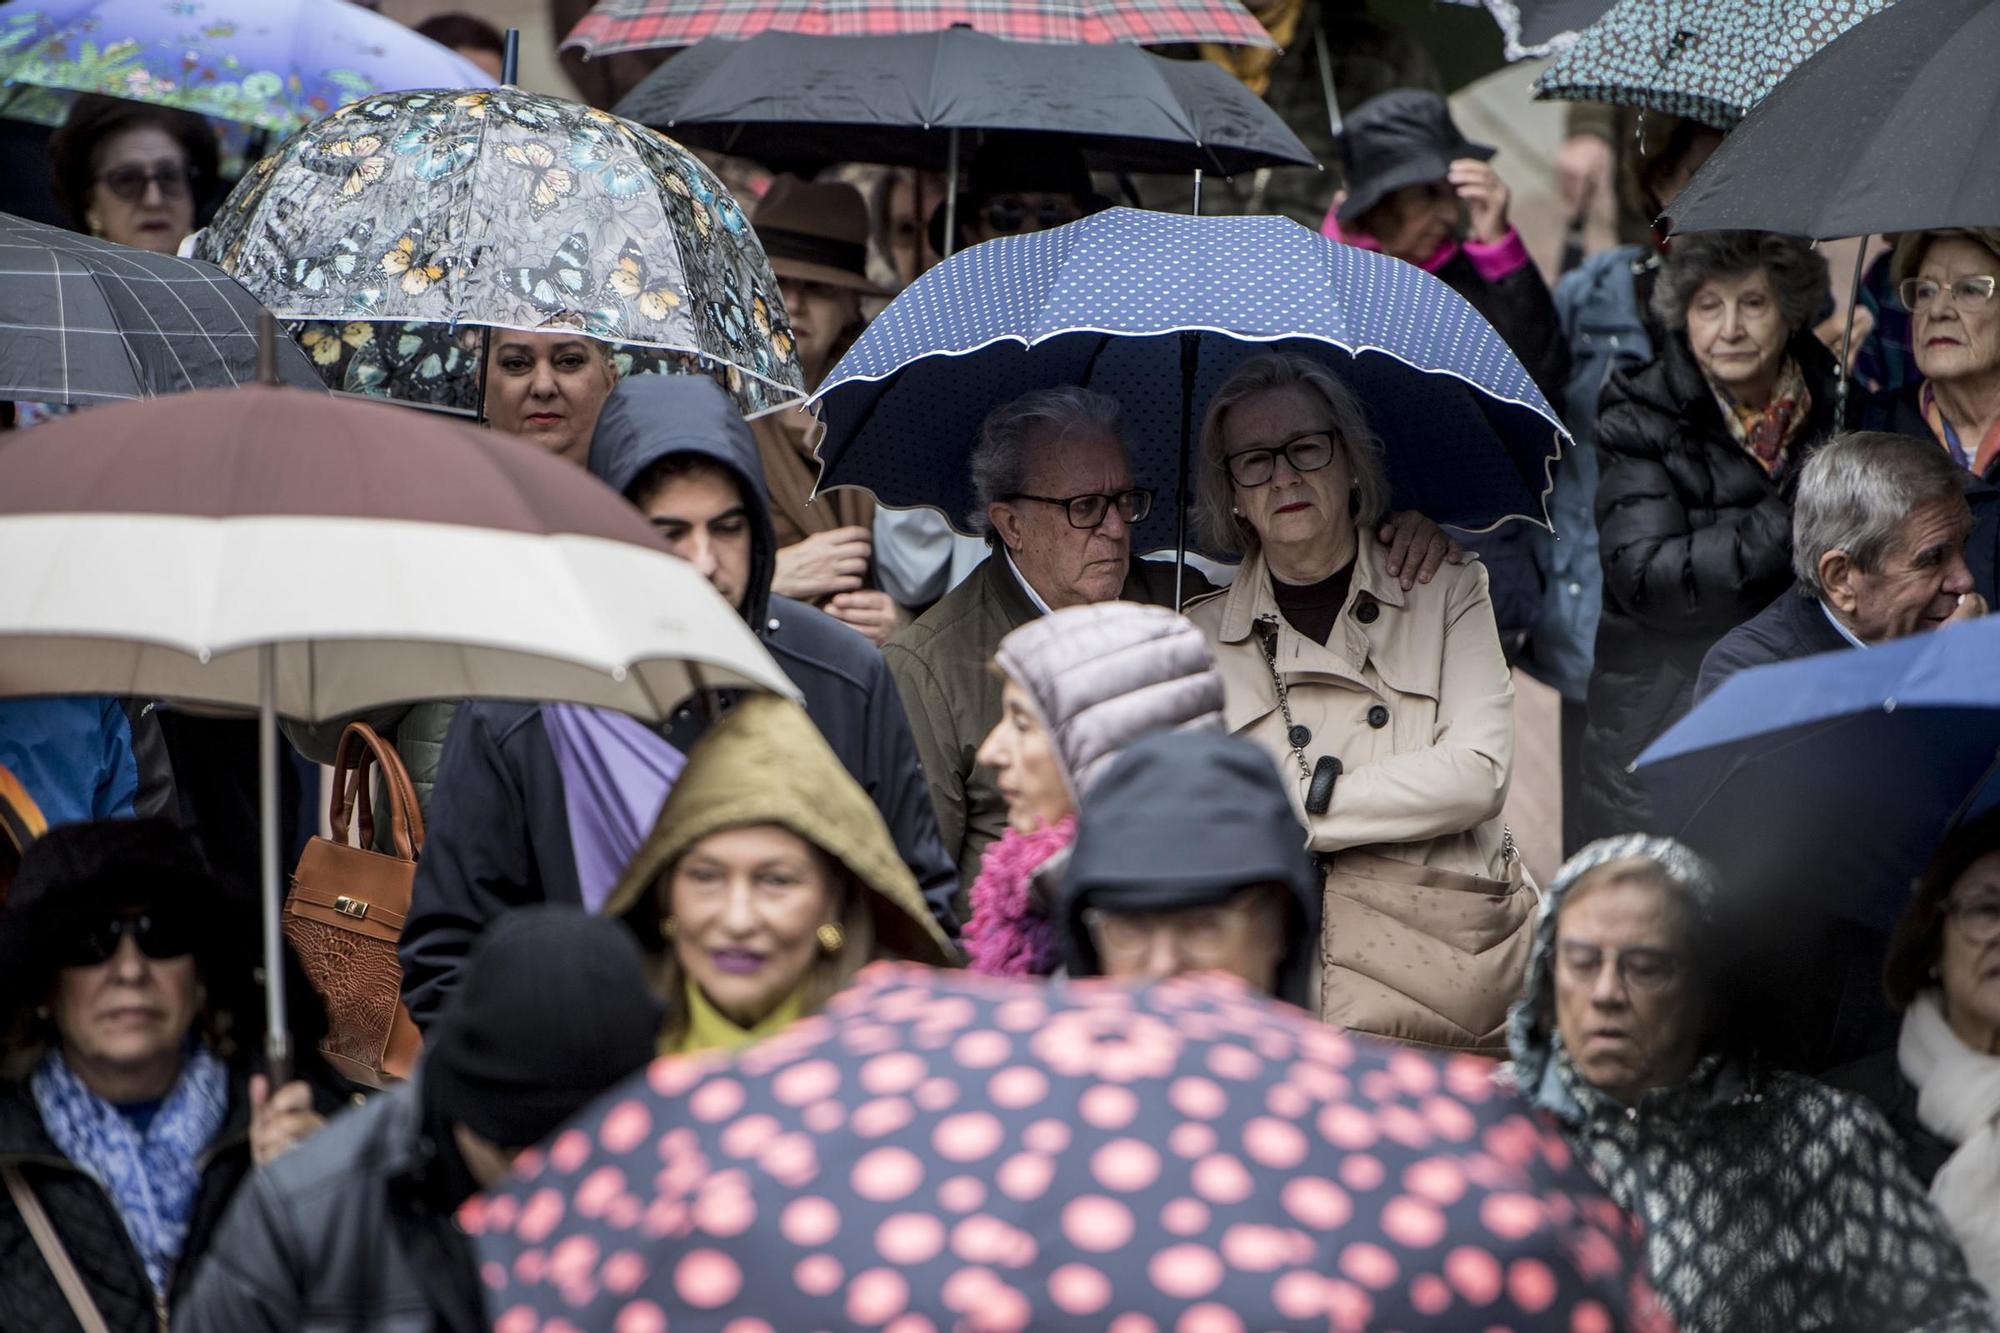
point(159, 937)
point(1009, 217)
point(129, 182)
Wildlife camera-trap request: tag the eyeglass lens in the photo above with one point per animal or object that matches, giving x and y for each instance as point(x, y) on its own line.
point(1088, 511)
point(1306, 453)
point(130, 182)
point(157, 936)
point(1919, 294)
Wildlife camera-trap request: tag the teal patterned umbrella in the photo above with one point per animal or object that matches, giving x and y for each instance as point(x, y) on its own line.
point(392, 225)
point(275, 64)
point(1711, 60)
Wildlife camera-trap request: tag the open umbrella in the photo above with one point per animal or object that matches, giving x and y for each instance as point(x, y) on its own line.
point(1537, 28)
point(88, 321)
point(641, 25)
point(944, 1150)
point(781, 97)
point(1872, 134)
point(276, 64)
point(509, 209)
point(254, 547)
point(1836, 776)
point(1711, 60)
point(1156, 310)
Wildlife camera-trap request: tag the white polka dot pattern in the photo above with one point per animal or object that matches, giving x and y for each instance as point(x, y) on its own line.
point(1104, 302)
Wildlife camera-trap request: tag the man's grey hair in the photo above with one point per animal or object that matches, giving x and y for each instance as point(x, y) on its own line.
point(1857, 493)
point(1000, 459)
point(1796, 270)
point(1215, 522)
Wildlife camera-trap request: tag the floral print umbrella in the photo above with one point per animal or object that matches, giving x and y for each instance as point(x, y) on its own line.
point(943, 1150)
point(275, 64)
point(508, 209)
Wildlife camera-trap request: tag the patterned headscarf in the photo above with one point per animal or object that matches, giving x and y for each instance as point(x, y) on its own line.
point(1531, 1025)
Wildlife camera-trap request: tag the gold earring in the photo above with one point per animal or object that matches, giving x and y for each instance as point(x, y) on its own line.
point(95, 223)
point(669, 927)
point(831, 938)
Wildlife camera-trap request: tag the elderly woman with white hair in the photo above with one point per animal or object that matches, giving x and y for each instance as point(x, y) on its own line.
point(1947, 281)
point(1388, 709)
point(1768, 1200)
point(1077, 687)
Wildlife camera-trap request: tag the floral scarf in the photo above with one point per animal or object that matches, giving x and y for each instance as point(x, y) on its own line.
point(1767, 433)
point(153, 1177)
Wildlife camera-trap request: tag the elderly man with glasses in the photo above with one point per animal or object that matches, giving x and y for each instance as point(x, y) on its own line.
point(1055, 498)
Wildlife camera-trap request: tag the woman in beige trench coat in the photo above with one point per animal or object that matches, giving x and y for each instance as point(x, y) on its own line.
point(1391, 711)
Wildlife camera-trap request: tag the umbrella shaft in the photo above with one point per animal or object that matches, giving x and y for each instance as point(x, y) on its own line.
point(277, 1038)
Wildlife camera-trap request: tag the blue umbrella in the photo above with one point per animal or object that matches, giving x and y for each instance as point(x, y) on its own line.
point(1833, 778)
point(1156, 310)
point(275, 64)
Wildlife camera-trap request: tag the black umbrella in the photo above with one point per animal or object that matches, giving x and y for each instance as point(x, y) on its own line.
point(87, 321)
point(1890, 127)
point(797, 101)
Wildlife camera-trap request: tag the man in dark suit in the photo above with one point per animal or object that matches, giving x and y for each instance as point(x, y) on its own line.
point(1890, 538)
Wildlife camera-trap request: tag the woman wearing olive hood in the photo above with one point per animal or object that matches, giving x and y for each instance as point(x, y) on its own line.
point(768, 881)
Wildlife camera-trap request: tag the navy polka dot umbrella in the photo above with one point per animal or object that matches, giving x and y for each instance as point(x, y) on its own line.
point(942, 1150)
point(1156, 310)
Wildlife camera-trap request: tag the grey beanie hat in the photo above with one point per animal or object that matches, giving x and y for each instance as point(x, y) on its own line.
point(1104, 675)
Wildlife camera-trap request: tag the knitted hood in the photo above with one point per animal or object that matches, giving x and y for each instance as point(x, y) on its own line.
point(1102, 676)
point(765, 763)
point(1531, 1025)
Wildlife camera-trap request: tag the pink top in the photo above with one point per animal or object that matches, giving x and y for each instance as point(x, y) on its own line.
point(1492, 260)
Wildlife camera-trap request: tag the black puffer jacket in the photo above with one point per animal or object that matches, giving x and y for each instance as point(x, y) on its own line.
point(1695, 538)
point(87, 1222)
point(341, 1233)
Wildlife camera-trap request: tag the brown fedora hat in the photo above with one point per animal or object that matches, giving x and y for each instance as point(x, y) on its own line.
point(816, 232)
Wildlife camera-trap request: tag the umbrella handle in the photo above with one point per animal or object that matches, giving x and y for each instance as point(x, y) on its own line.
point(951, 192)
point(1190, 363)
point(277, 1034)
point(510, 58)
point(1847, 338)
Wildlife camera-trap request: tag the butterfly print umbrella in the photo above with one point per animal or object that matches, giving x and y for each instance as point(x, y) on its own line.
point(944, 1150)
point(507, 209)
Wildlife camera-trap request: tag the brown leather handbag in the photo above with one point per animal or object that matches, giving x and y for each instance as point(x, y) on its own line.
point(346, 908)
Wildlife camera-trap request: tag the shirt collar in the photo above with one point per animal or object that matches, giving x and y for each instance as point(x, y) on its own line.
point(1022, 579)
point(1843, 631)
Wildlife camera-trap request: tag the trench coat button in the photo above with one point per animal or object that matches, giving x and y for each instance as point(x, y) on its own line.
point(1299, 737)
point(1366, 611)
point(1378, 717)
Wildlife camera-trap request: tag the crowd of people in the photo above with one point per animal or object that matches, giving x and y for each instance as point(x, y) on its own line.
point(1012, 754)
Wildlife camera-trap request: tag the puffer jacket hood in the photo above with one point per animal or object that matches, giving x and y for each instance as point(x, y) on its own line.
point(1104, 675)
point(765, 763)
point(1531, 1024)
point(1185, 819)
point(649, 417)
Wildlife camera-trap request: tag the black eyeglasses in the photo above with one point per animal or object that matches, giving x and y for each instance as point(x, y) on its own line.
point(158, 936)
point(1088, 511)
point(129, 182)
point(1638, 968)
point(1306, 453)
point(1009, 217)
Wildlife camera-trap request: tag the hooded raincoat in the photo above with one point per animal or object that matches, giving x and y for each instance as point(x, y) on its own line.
point(766, 764)
point(1769, 1200)
point(498, 833)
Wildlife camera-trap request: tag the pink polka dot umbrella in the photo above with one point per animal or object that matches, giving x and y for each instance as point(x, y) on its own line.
point(948, 1151)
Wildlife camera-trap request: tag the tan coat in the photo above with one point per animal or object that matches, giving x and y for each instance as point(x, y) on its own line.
point(1412, 694)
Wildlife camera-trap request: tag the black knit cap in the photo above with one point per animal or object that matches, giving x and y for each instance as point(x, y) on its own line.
point(554, 1009)
point(1186, 819)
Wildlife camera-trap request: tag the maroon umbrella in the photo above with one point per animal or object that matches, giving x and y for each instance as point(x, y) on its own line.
point(946, 1150)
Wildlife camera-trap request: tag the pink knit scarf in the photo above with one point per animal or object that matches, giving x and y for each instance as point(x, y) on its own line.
point(1007, 936)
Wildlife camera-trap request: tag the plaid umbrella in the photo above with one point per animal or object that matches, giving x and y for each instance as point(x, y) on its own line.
point(88, 321)
point(948, 1150)
point(507, 209)
point(276, 64)
point(639, 25)
point(1711, 60)
point(781, 97)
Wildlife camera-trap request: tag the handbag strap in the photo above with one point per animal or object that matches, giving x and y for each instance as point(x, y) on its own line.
point(362, 748)
point(50, 1244)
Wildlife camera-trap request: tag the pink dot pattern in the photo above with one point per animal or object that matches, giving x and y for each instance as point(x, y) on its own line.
point(944, 1150)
